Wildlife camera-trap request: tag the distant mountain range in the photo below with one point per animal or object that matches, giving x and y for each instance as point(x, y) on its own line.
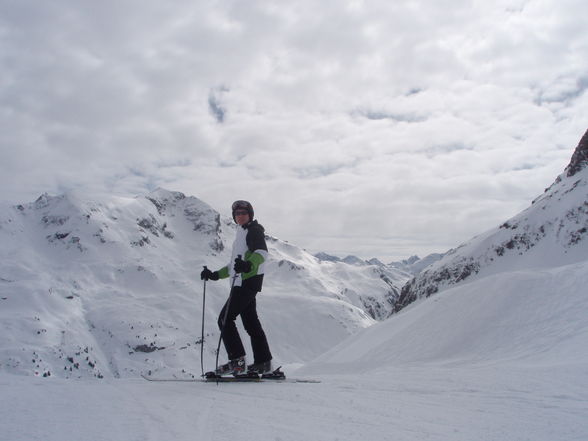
point(411, 266)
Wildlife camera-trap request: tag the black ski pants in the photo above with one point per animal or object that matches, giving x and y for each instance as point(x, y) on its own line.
point(242, 302)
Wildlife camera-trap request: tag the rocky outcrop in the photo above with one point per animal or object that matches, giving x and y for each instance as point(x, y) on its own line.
point(579, 158)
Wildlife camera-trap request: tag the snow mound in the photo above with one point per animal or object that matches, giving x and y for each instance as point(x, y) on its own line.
point(527, 317)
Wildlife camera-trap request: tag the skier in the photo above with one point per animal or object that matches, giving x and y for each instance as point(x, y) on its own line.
point(246, 267)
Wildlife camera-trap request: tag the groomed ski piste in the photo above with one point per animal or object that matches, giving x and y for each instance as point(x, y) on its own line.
point(501, 358)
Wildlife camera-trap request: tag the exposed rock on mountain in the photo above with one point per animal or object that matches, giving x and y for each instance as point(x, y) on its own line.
point(579, 159)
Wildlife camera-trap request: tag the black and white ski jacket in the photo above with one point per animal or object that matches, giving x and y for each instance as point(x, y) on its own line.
point(250, 245)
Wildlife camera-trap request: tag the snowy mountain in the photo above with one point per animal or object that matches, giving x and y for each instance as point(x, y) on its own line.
point(350, 259)
point(552, 232)
point(415, 264)
point(109, 286)
point(324, 257)
point(410, 267)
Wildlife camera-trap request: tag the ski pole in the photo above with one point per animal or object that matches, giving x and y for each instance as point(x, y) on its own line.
point(202, 333)
point(228, 305)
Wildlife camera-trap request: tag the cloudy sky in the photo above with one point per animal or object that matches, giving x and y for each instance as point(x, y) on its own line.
point(377, 128)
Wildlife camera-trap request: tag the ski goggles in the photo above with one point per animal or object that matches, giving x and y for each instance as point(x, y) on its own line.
point(240, 204)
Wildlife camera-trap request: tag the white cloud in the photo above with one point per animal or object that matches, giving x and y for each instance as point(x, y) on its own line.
point(370, 127)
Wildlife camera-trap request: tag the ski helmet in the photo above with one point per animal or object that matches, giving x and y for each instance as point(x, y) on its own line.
point(243, 205)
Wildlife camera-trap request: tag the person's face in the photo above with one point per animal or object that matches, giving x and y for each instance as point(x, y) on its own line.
point(241, 216)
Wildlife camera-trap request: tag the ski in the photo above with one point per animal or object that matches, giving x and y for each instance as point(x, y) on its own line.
point(170, 379)
point(276, 376)
point(229, 380)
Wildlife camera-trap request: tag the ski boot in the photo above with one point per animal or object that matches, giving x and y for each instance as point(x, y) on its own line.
point(275, 375)
point(260, 368)
point(235, 367)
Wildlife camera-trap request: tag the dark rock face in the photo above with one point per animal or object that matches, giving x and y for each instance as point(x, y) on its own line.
point(428, 282)
point(579, 158)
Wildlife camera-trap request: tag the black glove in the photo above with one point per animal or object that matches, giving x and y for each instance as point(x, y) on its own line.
point(242, 266)
point(206, 274)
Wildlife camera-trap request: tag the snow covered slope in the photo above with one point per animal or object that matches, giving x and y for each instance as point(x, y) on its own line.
point(500, 357)
point(528, 318)
point(552, 232)
point(109, 286)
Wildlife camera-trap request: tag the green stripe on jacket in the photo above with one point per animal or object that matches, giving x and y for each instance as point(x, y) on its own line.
point(256, 260)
